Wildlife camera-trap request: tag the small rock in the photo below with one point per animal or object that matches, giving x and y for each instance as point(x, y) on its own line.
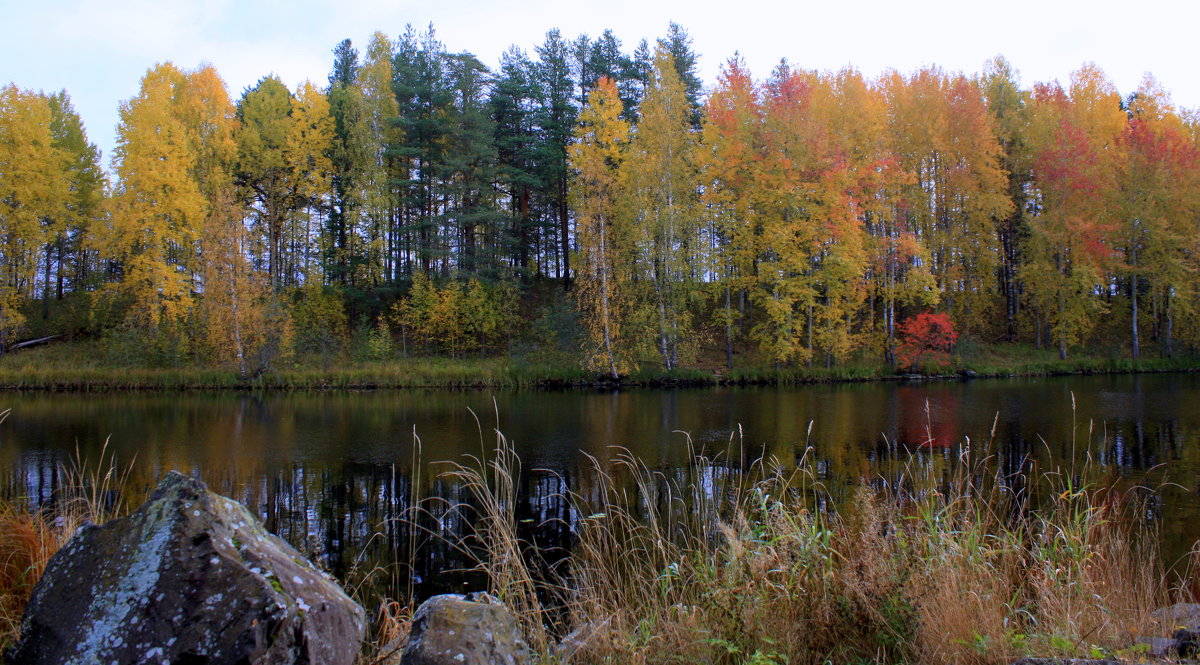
point(1160, 647)
point(451, 630)
point(1185, 642)
point(188, 577)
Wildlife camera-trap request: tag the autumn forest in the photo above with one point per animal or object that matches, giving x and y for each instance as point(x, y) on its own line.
point(602, 207)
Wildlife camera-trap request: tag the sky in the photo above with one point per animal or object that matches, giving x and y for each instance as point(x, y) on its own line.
point(97, 50)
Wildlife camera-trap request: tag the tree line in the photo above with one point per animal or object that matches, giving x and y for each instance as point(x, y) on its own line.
point(430, 201)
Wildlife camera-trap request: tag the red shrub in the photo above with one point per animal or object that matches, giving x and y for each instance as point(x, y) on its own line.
point(926, 339)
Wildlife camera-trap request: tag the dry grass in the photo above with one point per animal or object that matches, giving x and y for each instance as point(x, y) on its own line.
point(26, 545)
point(721, 565)
point(28, 537)
point(389, 634)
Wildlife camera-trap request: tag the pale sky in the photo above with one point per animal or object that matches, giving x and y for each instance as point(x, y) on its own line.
point(98, 49)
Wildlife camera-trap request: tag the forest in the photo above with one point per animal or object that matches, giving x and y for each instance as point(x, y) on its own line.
point(605, 208)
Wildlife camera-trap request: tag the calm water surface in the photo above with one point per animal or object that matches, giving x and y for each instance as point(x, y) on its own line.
point(331, 472)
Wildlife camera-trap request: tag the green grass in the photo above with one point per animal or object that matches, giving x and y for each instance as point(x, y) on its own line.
point(86, 365)
point(82, 366)
point(1024, 360)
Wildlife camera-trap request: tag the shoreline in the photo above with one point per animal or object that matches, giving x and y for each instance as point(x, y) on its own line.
point(25, 373)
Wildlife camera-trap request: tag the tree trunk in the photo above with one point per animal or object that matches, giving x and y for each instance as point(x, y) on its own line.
point(564, 235)
point(810, 335)
point(58, 275)
point(604, 313)
point(1168, 335)
point(1133, 297)
point(728, 329)
point(46, 286)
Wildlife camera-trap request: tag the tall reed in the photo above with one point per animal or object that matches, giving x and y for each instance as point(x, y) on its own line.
point(734, 563)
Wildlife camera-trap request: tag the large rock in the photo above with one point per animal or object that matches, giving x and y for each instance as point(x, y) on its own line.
point(451, 630)
point(190, 577)
point(1180, 615)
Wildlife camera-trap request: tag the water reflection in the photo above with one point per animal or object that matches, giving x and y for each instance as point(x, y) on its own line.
point(356, 480)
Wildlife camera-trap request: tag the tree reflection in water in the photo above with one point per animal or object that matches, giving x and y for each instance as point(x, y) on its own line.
point(341, 475)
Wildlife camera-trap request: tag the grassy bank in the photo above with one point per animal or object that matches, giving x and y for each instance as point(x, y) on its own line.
point(86, 365)
point(934, 560)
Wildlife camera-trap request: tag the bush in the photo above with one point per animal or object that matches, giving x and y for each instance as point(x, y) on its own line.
point(458, 318)
point(319, 320)
point(926, 339)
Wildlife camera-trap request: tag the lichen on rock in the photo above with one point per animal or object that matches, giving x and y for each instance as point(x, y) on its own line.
point(190, 576)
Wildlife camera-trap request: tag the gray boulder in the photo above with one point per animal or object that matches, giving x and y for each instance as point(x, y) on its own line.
point(190, 577)
point(1182, 644)
point(1180, 615)
point(451, 630)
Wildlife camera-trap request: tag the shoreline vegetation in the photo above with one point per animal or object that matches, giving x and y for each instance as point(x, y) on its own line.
point(82, 366)
point(932, 560)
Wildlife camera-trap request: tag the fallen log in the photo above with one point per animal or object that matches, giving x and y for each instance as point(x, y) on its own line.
point(32, 342)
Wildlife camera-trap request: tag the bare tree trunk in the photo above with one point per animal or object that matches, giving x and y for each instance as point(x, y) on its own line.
point(1133, 299)
point(604, 308)
point(238, 349)
point(564, 236)
point(46, 286)
point(728, 328)
point(1169, 342)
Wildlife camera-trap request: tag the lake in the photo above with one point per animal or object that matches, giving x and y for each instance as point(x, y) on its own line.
point(338, 474)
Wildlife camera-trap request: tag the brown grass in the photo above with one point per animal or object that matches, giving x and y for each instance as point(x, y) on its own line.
point(29, 537)
point(919, 567)
point(26, 545)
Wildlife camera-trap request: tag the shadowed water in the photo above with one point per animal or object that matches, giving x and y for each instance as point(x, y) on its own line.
point(338, 474)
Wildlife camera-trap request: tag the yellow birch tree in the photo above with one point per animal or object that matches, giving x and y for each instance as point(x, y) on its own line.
point(595, 159)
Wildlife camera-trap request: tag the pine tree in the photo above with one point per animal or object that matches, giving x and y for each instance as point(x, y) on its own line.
point(469, 168)
point(85, 183)
point(556, 117)
point(512, 106)
point(679, 45)
point(345, 107)
point(424, 98)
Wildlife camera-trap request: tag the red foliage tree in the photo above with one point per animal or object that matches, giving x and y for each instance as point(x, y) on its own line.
point(926, 339)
